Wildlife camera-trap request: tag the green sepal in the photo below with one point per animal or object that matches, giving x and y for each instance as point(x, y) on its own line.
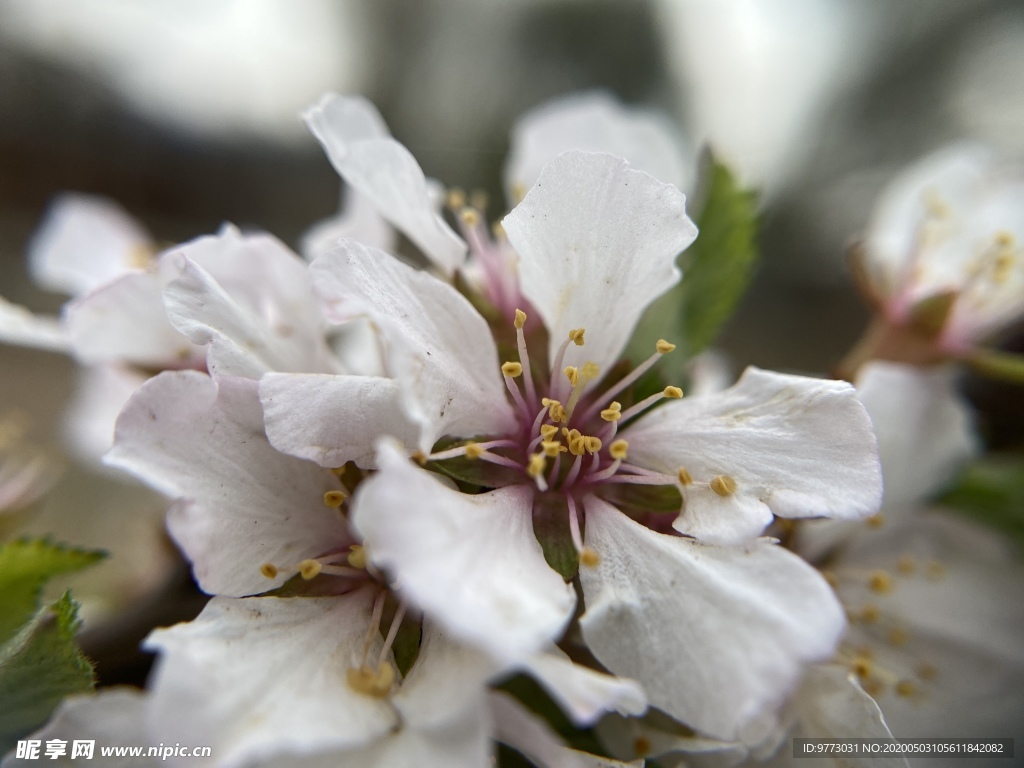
point(636, 500)
point(997, 365)
point(39, 666)
point(25, 567)
point(991, 491)
point(929, 316)
point(717, 269)
point(551, 527)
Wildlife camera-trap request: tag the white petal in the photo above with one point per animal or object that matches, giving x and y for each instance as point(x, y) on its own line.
point(246, 504)
point(715, 635)
point(597, 242)
point(796, 447)
point(358, 220)
point(124, 321)
point(470, 561)
point(441, 350)
point(20, 326)
point(249, 297)
point(332, 419)
point(112, 717)
point(925, 431)
point(583, 693)
point(531, 736)
point(594, 122)
point(385, 173)
point(259, 676)
point(101, 391)
point(84, 242)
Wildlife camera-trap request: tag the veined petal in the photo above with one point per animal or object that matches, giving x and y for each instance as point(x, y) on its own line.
point(470, 561)
point(356, 140)
point(256, 677)
point(124, 321)
point(332, 419)
point(663, 610)
point(797, 446)
point(249, 298)
point(594, 122)
point(20, 326)
point(440, 348)
point(245, 504)
point(597, 242)
point(584, 693)
point(84, 242)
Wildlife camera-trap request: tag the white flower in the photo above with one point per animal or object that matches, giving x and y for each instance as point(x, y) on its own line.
point(596, 242)
point(943, 251)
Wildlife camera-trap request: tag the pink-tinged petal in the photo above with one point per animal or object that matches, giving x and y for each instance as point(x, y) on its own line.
point(597, 242)
point(794, 446)
point(332, 419)
point(84, 242)
point(593, 122)
point(124, 321)
point(250, 299)
point(257, 677)
point(244, 504)
point(385, 173)
point(584, 693)
point(20, 326)
point(470, 561)
point(357, 220)
point(101, 391)
point(440, 348)
point(717, 636)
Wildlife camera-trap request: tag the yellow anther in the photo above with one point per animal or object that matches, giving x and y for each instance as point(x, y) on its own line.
point(576, 336)
point(518, 193)
point(685, 478)
point(558, 413)
point(140, 256)
point(672, 392)
point(937, 207)
point(498, 231)
point(577, 446)
point(547, 431)
point(478, 198)
point(641, 746)
point(898, 637)
point(873, 688)
point(664, 347)
point(861, 666)
point(875, 521)
point(357, 556)
point(470, 216)
point(547, 402)
point(906, 565)
point(520, 320)
point(589, 557)
point(334, 499)
point(613, 412)
point(880, 582)
point(830, 578)
point(935, 570)
point(455, 199)
point(552, 448)
point(512, 369)
point(723, 485)
point(269, 570)
point(1004, 239)
point(590, 371)
point(618, 449)
point(419, 457)
point(474, 451)
point(372, 682)
point(309, 569)
point(571, 434)
point(536, 465)
point(869, 613)
point(927, 671)
point(906, 688)
point(572, 374)
point(592, 444)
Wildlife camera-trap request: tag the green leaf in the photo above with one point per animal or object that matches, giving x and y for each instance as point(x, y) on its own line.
point(998, 365)
point(551, 527)
point(39, 666)
point(717, 269)
point(25, 567)
point(991, 491)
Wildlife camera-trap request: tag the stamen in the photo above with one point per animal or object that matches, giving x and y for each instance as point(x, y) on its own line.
point(875, 521)
point(590, 558)
point(455, 199)
point(548, 431)
point(574, 470)
point(524, 356)
point(512, 370)
point(880, 582)
point(618, 449)
point(574, 524)
point(374, 628)
point(661, 348)
point(376, 683)
point(613, 412)
point(592, 444)
point(471, 450)
point(576, 336)
point(474, 451)
point(906, 688)
point(685, 478)
point(309, 569)
point(357, 556)
point(510, 385)
point(588, 373)
point(723, 485)
point(269, 570)
point(647, 402)
point(334, 499)
point(552, 448)
point(560, 356)
point(535, 466)
point(572, 374)
point(396, 622)
point(479, 198)
point(470, 216)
